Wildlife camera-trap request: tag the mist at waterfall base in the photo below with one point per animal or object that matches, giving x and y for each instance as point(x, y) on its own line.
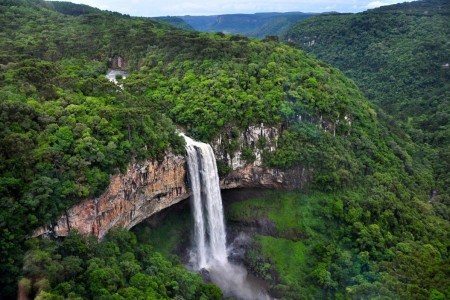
point(210, 252)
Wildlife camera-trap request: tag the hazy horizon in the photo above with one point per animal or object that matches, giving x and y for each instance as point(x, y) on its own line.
point(152, 8)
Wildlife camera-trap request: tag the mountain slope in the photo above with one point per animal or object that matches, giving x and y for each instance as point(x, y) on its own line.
point(252, 25)
point(176, 21)
point(71, 9)
point(398, 55)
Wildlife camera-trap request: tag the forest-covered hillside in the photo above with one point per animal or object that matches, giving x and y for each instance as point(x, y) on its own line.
point(65, 129)
point(176, 21)
point(252, 25)
point(399, 56)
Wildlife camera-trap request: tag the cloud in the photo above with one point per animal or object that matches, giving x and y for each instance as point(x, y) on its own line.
point(375, 4)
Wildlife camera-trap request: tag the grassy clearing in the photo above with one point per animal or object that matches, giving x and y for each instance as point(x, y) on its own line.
point(291, 212)
point(289, 257)
point(303, 222)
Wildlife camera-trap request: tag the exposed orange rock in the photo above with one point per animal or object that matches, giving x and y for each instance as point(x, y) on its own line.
point(143, 190)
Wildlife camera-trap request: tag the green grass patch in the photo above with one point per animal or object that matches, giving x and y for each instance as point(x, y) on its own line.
point(250, 210)
point(294, 214)
point(305, 224)
point(288, 256)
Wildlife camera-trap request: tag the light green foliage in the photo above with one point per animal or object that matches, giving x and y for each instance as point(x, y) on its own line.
point(117, 268)
point(288, 256)
point(321, 248)
point(65, 129)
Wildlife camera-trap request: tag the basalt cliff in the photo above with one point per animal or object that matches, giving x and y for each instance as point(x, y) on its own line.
point(149, 186)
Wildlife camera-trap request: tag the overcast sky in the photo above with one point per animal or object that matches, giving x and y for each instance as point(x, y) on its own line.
point(153, 8)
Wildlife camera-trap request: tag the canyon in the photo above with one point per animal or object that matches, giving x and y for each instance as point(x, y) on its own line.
point(150, 186)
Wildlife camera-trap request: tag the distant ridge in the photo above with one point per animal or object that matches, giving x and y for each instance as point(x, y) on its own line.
point(252, 25)
point(176, 21)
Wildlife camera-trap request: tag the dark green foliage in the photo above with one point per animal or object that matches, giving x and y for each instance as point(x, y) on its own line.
point(72, 9)
point(394, 53)
point(398, 55)
point(117, 268)
point(173, 230)
point(29, 30)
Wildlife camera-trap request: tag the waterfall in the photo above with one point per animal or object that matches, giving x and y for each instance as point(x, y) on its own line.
point(209, 227)
point(209, 231)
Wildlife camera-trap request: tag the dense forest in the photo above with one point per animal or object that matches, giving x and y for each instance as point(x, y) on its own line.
point(65, 128)
point(399, 56)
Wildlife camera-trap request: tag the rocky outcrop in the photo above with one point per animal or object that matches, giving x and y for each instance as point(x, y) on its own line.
point(256, 139)
point(118, 62)
point(255, 176)
point(251, 172)
point(150, 186)
point(145, 189)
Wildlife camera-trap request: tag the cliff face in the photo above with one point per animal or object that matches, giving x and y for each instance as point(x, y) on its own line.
point(119, 63)
point(150, 186)
point(252, 173)
point(256, 139)
point(143, 190)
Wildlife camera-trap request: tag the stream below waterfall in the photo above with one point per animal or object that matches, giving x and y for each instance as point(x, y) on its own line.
point(111, 76)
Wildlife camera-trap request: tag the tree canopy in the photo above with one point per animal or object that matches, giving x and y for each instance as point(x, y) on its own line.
point(65, 128)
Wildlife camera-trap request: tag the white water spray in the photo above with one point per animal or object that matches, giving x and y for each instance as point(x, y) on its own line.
point(209, 231)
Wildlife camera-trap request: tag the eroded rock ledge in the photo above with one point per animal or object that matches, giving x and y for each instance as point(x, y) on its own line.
point(145, 189)
point(150, 186)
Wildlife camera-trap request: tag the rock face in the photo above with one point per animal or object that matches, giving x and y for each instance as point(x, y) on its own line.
point(256, 139)
point(145, 189)
point(150, 186)
point(252, 176)
point(245, 174)
point(119, 63)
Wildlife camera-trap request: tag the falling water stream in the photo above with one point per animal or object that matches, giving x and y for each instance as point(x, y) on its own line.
point(210, 251)
point(112, 74)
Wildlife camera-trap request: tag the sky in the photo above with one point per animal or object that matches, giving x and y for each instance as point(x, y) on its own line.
point(153, 8)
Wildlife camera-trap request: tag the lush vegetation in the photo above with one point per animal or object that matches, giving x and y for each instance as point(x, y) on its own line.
point(398, 55)
point(69, 8)
point(252, 25)
point(117, 268)
point(338, 245)
point(176, 21)
point(65, 129)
